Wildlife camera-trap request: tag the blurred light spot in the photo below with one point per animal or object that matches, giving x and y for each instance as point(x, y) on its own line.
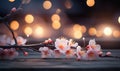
point(77, 34)
point(90, 3)
point(58, 11)
point(116, 33)
point(29, 18)
point(92, 31)
point(56, 25)
point(119, 19)
point(77, 27)
point(99, 34)
point(47, 5)
point(107, 31)
point(55, 17)
point(68, 4)
point(14, 25)
point(11, 0)
point(25, 1)
point(83, 29)
point(28, 31)
point(38, 31)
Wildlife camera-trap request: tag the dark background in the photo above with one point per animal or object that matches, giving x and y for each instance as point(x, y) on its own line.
point(103, 11)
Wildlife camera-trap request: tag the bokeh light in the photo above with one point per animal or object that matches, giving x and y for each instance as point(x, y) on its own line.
point(29, 18)
point(28, 31)
point(116, 34)
point(14, 25)
point(107, 31)
point(92, 31)
point(90, 3)
point(56, 25)
point(76, 27)
point(119, 19)
point(55, 17)
point(47, 5)
point(83, 29)
point(38, 32)
point(77, 34)
point(99, 33)
point(11, 0)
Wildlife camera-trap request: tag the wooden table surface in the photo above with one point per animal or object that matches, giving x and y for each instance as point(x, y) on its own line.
point(33, 61)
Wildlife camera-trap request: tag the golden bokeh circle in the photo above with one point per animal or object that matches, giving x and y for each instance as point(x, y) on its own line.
point(14, 25)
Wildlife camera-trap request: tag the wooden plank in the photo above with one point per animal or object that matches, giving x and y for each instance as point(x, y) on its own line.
point(34, 61)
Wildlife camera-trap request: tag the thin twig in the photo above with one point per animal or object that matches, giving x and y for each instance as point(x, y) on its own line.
point(111, 56)
point(28, 46)
point(11, 32)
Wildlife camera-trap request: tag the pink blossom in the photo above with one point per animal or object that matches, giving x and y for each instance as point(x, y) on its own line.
point(45, 52)
point(69, 53)
point(20, 41)
point(91, 55)
point(108, 53)
point(5, 40)
point(71, 43)
point(57, 53)
point(8, 53)
point(62, 45)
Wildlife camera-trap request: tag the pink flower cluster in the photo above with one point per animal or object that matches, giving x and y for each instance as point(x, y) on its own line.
point(63, 48)
point(10, 53)
point(5, 40)
point(91, 52)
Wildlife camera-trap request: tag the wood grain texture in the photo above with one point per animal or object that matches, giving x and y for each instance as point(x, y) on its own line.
point(33, 61)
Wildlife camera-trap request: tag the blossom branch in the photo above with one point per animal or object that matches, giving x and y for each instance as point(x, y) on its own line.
point(29, 46)
point(11, 32)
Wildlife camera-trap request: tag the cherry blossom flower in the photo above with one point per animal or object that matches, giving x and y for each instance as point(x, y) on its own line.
point(45, 52)
point(91, 55)
point(93, 46)
point(62, 45)
point(57, 53)
point(69, 53)
point(8, 53)
point(72, 43)
point(12, 53)
point(92, 42)
point(2, 39)
point(20, 41)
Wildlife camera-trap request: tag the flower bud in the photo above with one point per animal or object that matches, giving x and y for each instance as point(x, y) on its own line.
point(108, 53)
point(25, 53)
point(13, 10)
